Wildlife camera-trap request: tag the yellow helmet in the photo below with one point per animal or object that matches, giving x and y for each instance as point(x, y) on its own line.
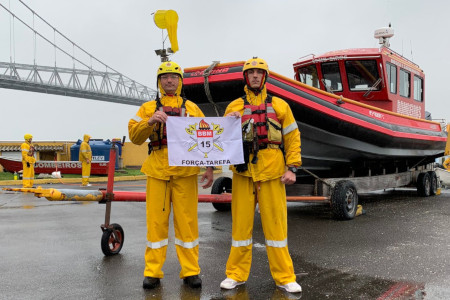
point(170, 67)
point(27, 136)
point(256, 63)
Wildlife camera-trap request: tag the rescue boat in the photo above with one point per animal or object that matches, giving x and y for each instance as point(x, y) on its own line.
point(47, 167)
point(360, 111)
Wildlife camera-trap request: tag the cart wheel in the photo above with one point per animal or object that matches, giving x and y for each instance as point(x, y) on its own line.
point(344, 200)
point(424, 184)
point(433, 183)
point(112, 240)
point(221, 185)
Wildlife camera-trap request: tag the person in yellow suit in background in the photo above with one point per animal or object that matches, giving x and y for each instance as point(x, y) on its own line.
point(28, 161)
point(85, 156)
point(168, 185)
point(267, 123)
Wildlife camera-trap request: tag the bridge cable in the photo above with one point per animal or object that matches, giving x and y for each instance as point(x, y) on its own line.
point(75, 45)
point(134, 87)
point(34, 42)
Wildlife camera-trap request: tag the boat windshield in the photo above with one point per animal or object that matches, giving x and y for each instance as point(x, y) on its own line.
point(308, 75)
point(331, 76)
point(362, 75)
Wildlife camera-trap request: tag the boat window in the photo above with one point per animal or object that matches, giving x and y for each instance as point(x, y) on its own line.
point(418, 88)
point(308, 75)
point(405, 83)
point(391, 71)
point(332, 76)
point(362, 75)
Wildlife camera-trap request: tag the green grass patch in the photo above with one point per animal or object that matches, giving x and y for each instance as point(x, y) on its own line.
point(6, 176)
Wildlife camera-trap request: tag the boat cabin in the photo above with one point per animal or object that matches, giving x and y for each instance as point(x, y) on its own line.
point(378, 77)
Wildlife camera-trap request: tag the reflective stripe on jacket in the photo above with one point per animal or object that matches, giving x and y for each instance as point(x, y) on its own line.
point(25, 148)
point(85, 150)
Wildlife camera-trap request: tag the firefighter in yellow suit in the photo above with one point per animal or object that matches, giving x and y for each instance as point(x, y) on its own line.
point(262, 179)
point(85, 156)
point(168, 185)
point(28, 161)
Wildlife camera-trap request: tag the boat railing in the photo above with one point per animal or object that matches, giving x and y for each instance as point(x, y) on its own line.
point(306, 56)
point(410, 61)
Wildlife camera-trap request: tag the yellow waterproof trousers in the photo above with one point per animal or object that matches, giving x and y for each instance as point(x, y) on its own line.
point(27, 175)
point(182, 192)
point(85, 173)
point(272, 204)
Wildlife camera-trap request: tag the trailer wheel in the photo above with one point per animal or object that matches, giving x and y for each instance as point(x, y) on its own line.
point(344, 200)
point(433, 183)
point(424, 184)
point(112, 240)
point(220, 186)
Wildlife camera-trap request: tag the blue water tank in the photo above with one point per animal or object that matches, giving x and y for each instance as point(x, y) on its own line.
point(100, 150)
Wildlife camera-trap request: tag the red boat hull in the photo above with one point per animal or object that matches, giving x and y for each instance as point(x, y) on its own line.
point(339, 136)
point(44, 166)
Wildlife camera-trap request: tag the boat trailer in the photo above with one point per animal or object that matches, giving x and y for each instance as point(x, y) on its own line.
point(341, 194)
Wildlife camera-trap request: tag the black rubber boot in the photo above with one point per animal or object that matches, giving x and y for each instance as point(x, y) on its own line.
point(150, 283)
point(193, 281)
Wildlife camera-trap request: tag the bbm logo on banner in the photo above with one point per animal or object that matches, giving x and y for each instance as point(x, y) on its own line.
point(204, 138)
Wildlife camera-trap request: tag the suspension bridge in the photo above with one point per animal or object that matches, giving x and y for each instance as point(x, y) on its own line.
point(78, 79)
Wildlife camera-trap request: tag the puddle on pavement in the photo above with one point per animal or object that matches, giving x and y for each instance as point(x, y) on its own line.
point(317, 283)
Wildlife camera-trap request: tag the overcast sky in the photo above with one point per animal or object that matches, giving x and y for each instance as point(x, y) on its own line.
point(122, 34)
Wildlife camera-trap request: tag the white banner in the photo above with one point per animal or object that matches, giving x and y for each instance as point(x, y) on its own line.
point(211, 141)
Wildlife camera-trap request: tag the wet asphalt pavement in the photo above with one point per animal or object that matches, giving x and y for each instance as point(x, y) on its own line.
point(400, 249)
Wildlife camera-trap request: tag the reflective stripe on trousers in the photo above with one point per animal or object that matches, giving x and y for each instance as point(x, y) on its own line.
point(157, 245)
point(276, 244)
point(272, 205)
point(181, 195)
point(187, 245)
point(85, 172)
point(27, 175)
point(243, 243)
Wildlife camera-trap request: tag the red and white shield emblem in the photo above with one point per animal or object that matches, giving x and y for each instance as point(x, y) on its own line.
point(205, 139)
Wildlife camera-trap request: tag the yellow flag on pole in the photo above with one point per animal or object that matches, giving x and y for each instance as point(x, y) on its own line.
point(168, 19)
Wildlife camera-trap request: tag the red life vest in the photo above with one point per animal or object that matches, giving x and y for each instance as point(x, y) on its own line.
point(264, 119)
point(170, 111)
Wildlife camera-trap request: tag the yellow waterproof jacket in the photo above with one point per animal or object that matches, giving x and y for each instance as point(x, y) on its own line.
point(446, 164)
point(85, 150)
point(157, 163)
point(25, 148)
point(271, 164)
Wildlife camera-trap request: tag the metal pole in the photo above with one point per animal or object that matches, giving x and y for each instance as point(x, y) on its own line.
point(110, 187)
